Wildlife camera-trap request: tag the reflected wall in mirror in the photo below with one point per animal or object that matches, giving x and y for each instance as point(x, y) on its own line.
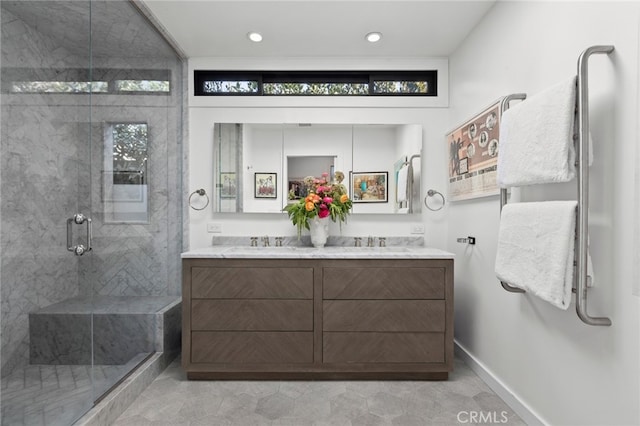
point(295, 151)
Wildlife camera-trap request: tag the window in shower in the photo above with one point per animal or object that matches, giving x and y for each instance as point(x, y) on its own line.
point(142, 86)
point(59, 87)
point(125, 175)
point(78, 81)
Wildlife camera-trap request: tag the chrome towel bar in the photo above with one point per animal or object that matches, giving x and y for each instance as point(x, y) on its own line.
point(582, 160)
point(582, 156)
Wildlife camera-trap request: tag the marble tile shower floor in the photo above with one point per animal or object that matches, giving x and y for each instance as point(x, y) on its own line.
point(56, 394)
point(173, 400)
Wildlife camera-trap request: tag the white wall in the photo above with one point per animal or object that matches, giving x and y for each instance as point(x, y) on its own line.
point(565, 371)
point(430, 112)
point(262, 150)
point(374, 150)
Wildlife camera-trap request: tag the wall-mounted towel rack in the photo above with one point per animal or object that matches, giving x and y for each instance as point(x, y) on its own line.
point(409, 163)
point(582, 159)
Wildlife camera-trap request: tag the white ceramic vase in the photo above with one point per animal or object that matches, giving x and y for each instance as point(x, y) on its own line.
point(319, 231)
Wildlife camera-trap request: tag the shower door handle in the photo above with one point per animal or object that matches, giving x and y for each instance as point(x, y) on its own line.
point(78, 219)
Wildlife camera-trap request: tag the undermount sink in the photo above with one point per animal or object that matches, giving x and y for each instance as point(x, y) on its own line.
point(392, 249)
point(349, 249)
point(281, 249)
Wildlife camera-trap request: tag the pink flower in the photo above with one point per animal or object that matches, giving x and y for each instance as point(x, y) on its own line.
point(323, 212)
point(327, 200)
point(325, 174)
point(321, 189)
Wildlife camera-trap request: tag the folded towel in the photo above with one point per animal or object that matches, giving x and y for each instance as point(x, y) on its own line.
point(403, 176)
point(536, 244)
point(591, 278)
point(536, 138)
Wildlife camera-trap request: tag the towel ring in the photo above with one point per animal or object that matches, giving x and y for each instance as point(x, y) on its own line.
point(431, 193)
point(201, 192)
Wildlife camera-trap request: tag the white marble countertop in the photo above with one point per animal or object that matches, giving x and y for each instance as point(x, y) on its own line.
point(329, 252)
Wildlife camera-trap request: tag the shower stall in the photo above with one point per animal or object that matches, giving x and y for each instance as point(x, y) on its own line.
point(91, 202)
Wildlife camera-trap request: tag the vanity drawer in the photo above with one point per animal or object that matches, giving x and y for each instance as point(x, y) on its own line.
point(251, 347)
point(251, 283)
point(251, 314)
point(383, 283)
point(383, 347)
point(384, 315)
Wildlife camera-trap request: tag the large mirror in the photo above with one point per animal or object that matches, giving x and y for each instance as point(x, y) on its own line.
point(259, 168)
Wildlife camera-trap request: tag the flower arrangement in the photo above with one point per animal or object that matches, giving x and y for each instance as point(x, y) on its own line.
point(323, 199)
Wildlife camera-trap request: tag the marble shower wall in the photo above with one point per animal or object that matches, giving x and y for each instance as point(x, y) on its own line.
point(49, 170)
point(138, 259)
point(39, 167)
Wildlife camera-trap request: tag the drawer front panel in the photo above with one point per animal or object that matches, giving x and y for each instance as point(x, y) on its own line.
point(383, 283)
point(238, 314)
point(251, 283)
point(251, 347)
point(384, 315)
point(383, 347)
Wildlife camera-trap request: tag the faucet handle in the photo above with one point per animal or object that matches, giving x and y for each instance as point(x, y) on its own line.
point(254, 241)
point(370, 241)
point(265, 241)
point(279, 241)
point(357, 241)
point(382, 241)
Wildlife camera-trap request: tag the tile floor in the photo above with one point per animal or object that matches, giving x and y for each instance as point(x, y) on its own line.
point(173, 400)
point(56, 394)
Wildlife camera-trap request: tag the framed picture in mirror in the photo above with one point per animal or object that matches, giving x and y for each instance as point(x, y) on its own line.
point(228, 185)
point(266, 185)
point(369, 187)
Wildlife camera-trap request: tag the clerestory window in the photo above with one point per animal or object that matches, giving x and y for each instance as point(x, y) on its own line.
point(316, 83)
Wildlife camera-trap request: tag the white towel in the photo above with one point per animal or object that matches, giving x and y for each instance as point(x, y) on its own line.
point(536, 138)
point(536, 244)
point(401, 189)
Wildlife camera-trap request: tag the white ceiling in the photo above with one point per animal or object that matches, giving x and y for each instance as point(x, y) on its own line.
point(315, 28)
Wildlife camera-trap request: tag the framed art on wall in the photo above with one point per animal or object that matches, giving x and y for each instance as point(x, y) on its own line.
point(473, 156)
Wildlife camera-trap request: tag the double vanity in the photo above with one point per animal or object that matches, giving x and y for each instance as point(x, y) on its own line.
point(304, 313)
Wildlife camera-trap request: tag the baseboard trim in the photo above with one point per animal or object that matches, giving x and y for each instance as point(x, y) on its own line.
point(525, 412)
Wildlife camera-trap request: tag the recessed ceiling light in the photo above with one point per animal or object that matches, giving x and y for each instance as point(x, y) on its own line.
point(255, 37)
point(373, 37)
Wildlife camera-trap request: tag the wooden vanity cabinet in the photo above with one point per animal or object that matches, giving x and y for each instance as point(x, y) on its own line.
point(317, 318)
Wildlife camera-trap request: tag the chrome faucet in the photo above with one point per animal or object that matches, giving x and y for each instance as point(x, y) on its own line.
point(265, 241)
point(357, 241)
point(382, 241)
point(370, 241)
point(254, 241)
point(279, 241)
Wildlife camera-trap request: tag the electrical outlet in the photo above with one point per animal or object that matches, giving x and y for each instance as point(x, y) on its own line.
point(214, 228)
point(417, 229)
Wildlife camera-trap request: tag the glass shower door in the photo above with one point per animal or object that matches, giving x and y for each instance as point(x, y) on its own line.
point(45, 152)
point(91, 103)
